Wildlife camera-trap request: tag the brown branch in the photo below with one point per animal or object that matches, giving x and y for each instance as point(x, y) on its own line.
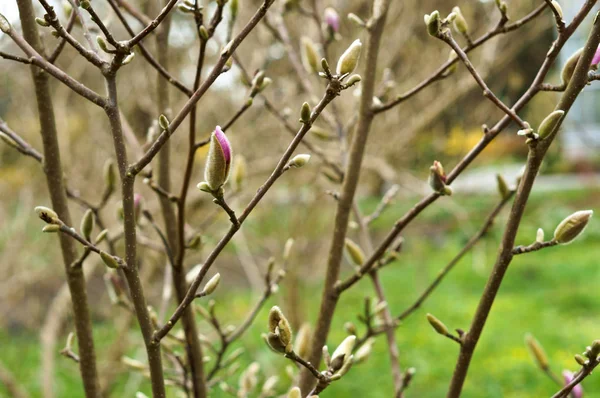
point(54, 180)
point(533, 247)
point(344, 206)
point(61, 43)
point(152, 25)
point(582, 374)
point(536, 155)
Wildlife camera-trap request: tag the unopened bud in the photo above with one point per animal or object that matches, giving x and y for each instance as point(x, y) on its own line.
point(539, 236)
point(109, 260)
point(433, 23)
point(363, 353)
point(87, 224)
point(46, 214)
point(4, 24)
point(163, 122)
point(558, 8)
point(356, 19)
point(549, 124)
point(218, 161)
point(569, 68)
point(303, 340)
point(355, 252)
point(332, 19)
point(580, 359)
point(238, 174)
point(437, 325)
point(503, 189)
point(460, 23)
point(352, 80)
point(349, 59)
point(305, 113)
point(294, 393)
point(288, 248)
point(102, 44)
point(309, 54)
point(212, 284)
point(194, 242)
point(342, 352)
point(42, 22)
point(537, 351)
point(133, 363)
point(128, 58)
point(50, 228)
point(110, 175)
point(203, 32)
point(572, 226)
point(437, 179)
point(101, 236)
point(299, 160)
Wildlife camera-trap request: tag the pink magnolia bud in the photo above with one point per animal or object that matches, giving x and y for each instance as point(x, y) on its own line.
point(596, 59)
point(577, 391)
point(332, 19)
point(218, 161)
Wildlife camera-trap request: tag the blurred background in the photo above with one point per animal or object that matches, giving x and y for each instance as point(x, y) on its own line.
point(551, 294)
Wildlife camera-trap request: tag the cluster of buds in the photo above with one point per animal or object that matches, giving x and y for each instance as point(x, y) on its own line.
point(259, 83)
point(572, 226)
point(279, 337)
point(218, 163)
point(437, 179)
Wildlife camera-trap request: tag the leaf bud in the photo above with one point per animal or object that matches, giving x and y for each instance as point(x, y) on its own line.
point(433, 23)
point(537, 351)
point(309, 55)
point(305, 113)
point(572, 226)
point(355, 252)
point(47, 215)
point(437, 325)
point(299, 160)
point(549, 124)
point(87, 224)
point(212, 284)
point(109, 260)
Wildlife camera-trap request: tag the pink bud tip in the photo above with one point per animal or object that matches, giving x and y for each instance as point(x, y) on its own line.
point(577, 391)
point(224, 143)
point(596, 59)
point(332, 19)
point(137, 199)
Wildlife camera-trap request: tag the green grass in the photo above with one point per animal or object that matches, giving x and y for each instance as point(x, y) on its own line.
point(551, 294)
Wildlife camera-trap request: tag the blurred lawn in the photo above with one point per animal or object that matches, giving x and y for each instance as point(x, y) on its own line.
point(551, 294)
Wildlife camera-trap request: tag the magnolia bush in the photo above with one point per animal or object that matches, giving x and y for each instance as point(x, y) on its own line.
point(109, 37)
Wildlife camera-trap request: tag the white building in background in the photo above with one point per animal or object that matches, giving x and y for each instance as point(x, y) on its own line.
point(581, 134)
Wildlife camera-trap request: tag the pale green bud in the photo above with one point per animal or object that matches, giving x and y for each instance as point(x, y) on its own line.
point(184, 8)
point(133, 363)
point(4, 24)
point(352, 80)
point(234, 6)
point(433, 23)
point(309, 54)
point(238, 174)
point(580, 360)
point(569, 68)
point(320, 133)
point(363, 353)
point(354, 251)
point(537, 351)
point(163, 122)
point(212, 284)
point(128, 58)
point(558, 8)
point(8, 140)
point(102, 44)
point(460, 23)
point(539, 236)
point(110, 175)
point(109, 260)
point(349, 59)
point(294, 393)
point(203, 32)
point(50, 228)
point(85, 4)
point(46, 214)
point(348, 362)
point(87, 224)
point(288, 248)
point(42, 22)
point(269, 385)
point(342, 352)
point(549, 124)
point(303, 340)
point(437, 325)
point(305, 113)
point(299, 160)
point(356, 19)
point(101, 236)
point(203, 186)
point(572, 226)
point(503, 189)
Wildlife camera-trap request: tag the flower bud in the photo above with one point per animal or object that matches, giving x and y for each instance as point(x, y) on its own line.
point(503, 189)
point(332, 19)
point(85, 4)
point(194, 242)
point(212, 284)
point(305, 113)
point(343, 352)
point(437, 325)
point(294, 393)
point(303, 340)
point(184, 8)
point(46, 214)
point(460, 23)
point(102, 44)
point(580, 359)
point(549, 124)
point(279, 325)
point(203, 32)
point(4, 24)
point(349, 59)
point(87, 224)
point(355, 252)
point(163, 122)
point(363, 353)
point(218, 161)
point(128, 58)
point(234, 6)
point(275, 343)
point(309, 54)
point(433, 23)
point(101, 236)
point(299, 160)
point(356, 19)
point(569, 68)
point(238, 172)
point(51, 228)
point(596, 58)
point(558, 8)
point(109, 260)
point(572, 226)
point(577, 391)
point(110, 175)
point(437, 179)
point(537, 351)
point(539, 236)
point(42, 22)
point(138, 205)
